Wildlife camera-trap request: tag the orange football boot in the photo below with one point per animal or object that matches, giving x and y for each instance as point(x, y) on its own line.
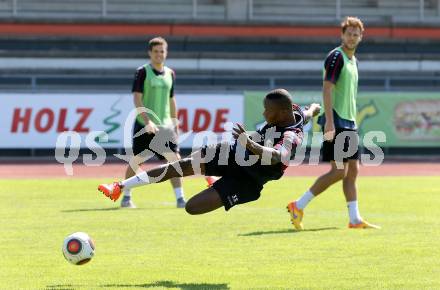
point(112, 191)
point(363, 225)
point(296, 215)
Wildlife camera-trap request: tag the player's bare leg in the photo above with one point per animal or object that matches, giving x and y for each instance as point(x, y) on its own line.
point(326, 180)
point(350, 192)
point(296, 208)
point(181, 168)
point(349, 181)
point(203, 202)
point(177, 182)
point(176, 169)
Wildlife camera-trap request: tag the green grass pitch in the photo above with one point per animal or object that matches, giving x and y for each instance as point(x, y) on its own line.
point(251, 247)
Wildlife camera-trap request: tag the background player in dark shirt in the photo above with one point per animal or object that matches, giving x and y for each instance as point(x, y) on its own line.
point(340, 86)
point(153, 93)
point(241, 181)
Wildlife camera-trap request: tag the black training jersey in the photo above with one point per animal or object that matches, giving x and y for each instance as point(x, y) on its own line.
point(285, 139)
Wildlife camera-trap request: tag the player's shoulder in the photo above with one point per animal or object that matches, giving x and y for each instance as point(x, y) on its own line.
point(262, 126)
point(141, 74)
point(169, 71)
point(143, 66)
point(334, 54)
point(336, 51)
point(299, 114)
point(142, 69)
point(300, 120)
point(167, 68)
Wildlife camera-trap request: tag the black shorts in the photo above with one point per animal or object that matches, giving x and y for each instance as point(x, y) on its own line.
point(330, 152)
point(234, 186)
point(143, 142)
point(235, 190)
point(219, 160)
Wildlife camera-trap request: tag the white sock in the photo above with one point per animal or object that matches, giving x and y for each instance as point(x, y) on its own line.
point(135, 181)
point(178, 191)
point(127, 192)
point(304, 200)
point(353, 212)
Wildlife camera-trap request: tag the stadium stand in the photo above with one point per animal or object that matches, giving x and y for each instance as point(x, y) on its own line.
point(210, 63)
point(114, 9)
point(214, 44)
point(310, 11)
point(371, 10)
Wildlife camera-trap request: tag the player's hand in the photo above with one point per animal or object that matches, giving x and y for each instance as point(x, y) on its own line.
point(329, 131)
point(151, 128)
point(316, 108)
point(239, 133)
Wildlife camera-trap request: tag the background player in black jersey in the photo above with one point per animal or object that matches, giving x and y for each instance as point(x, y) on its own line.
point(244, 166)
point(153, 95)
point(341, 139)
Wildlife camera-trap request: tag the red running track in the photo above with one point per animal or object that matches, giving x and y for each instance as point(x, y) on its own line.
point(117, 170)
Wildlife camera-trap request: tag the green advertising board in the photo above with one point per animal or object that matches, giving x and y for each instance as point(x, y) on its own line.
point(408, 119)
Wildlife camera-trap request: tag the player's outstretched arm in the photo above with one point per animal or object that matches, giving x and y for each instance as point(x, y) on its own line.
point(276, 154)
point(312, 111)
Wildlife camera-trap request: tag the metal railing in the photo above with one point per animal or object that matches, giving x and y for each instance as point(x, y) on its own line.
point(196, 82)
point(114, 9)
point(385, 10)
point(223, 10)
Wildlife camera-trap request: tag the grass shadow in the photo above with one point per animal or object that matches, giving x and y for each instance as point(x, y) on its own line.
point(114, 208)
point(62, 287)
point(91, 209)
point(286, 231)
point(171, 284)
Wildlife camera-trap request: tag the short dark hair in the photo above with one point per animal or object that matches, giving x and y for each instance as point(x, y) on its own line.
point(281, 97)
point(157, 41)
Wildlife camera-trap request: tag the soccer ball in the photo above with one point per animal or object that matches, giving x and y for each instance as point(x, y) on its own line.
point(78, 248)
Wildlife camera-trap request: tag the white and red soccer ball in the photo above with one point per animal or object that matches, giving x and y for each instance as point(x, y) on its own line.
point(78, 248)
